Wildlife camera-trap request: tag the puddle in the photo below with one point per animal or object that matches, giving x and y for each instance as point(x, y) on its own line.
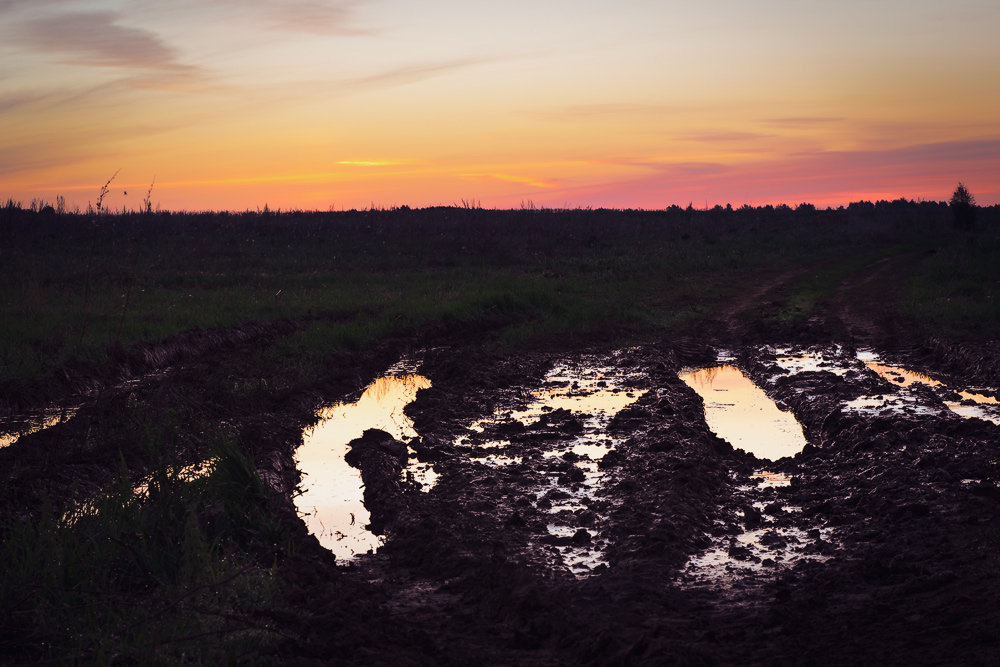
point(756, 551)
point(594, 391)
point(768, 546)
point(559, 438)
point(592, 395)
point(767, 479)
point(580, 560)
point(27, 424)
point(982, 399)
point(726, 356)
point(800, 361)
point(332, 505)
point(742, 414)
point(586, 395)
point(901, 376)
point(976, 410)
point(890, 404)
point(965, 403)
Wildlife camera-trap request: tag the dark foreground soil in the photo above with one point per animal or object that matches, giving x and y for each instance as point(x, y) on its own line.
point(902, 514)
point(906, 574)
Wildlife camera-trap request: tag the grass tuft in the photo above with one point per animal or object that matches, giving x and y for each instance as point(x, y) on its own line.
point(168, 572)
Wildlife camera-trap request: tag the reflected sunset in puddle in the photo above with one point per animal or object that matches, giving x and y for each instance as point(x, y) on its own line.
point(332, 504)
point(742, 414)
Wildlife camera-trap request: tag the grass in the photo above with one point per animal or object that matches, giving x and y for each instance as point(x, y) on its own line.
point(957, 291)
point(77, 287)
point(168, 574)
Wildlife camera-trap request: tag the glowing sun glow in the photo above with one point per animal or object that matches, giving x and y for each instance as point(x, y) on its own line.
point(336, 103)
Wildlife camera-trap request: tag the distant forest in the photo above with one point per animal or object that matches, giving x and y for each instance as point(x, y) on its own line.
point(926, 211)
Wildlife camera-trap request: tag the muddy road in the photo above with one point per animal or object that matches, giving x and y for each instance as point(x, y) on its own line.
point(576, 536)
point(566, 536)
point(577, 506)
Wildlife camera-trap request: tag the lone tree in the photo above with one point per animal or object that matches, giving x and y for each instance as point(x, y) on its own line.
point(963, 207)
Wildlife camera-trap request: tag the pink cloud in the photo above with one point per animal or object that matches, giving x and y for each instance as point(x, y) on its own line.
point(928, 171)
point(96, 38)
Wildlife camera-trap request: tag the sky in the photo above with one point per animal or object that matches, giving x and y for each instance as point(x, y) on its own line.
point(337, 104)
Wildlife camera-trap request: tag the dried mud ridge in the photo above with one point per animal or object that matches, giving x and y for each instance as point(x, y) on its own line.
point(892, 520)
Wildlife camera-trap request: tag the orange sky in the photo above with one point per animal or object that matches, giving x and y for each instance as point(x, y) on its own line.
point(310, 104)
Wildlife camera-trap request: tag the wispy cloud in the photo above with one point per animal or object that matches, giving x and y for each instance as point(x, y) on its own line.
point(98, 39)
point(724, 137)
point(23, 157)
point(923, 157)
point(39, 155)
point(14, 101)
point(372, 163)
point(10, 6)
point(802, 122)
point(34, 103)
point(674, 167)
point(544, 183)
point(414, 73)
point(312, 16)
point(609, 109)
point(319, 17)
point(928, 170)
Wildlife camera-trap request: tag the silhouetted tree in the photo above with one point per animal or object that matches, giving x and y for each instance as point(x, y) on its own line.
point(963, 207)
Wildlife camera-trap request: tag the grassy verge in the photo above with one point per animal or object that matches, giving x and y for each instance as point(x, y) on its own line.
point(174, 570)
point(956, 292)
point(77, 288)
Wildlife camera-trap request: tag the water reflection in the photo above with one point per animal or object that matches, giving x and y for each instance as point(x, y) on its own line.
point(593, 393)
point(583, 398)
point(766, 478)
point(969, 403)
point(755, 550)
point(813, 359)
point(14, 429)
point(982, 399)
point(188, 473)
point(901, 376)
point(973, 405)
point(332, 504)
point(741, 413)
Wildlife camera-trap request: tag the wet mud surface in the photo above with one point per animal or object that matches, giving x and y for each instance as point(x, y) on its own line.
point(582, 510)
point(662, 544)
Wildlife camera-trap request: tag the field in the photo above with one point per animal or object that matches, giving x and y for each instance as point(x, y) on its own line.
point(163, 341)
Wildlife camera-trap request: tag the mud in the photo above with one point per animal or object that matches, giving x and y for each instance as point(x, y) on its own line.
point(876, 543)
point(622, 535)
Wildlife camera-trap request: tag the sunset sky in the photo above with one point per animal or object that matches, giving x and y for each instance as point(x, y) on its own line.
point(313, 104)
